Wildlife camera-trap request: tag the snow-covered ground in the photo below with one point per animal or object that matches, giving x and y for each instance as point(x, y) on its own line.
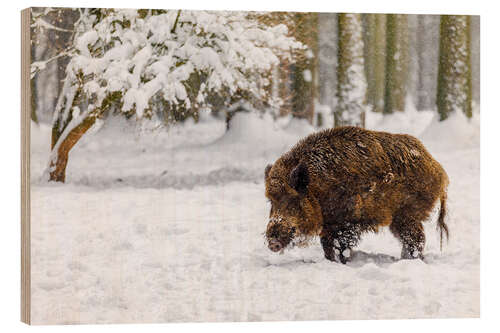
point(168, 226)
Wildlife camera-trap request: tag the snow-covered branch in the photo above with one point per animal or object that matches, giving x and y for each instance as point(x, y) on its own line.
point(41, 23)
point(38, 66)
point(142, 56)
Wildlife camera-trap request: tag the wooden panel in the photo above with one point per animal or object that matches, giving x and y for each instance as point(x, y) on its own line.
point(25, 167)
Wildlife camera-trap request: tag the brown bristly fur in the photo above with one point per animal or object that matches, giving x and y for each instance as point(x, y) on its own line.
point(340, 183)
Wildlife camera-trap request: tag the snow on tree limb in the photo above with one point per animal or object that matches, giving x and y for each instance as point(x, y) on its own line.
point(125, 59)
point(38, 66)
point(141, 56)
point(41, 23)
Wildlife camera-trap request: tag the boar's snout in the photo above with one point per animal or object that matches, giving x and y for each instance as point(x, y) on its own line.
point(275, 245)
point(279, 234)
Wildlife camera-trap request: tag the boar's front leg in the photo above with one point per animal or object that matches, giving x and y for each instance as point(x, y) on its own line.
point(337, 243)
point(332, 252)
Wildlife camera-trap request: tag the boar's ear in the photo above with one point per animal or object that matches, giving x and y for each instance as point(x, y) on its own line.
point(299, 178)
point(266, 172)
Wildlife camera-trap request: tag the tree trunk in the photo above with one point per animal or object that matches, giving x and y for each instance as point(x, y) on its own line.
point(454, 78)
point(475, 48)
point(396, 64)
point(61, 145)
point(304, 87)
point(327, 58)
point(37, 49)
point(412, 71)
point(422, 98)
point(33, 101)
point(369, 51)
point(351, 81)
point(58, 166)
point(427, 49)
point(284, 88)
point(375, 59)
point(475, 56)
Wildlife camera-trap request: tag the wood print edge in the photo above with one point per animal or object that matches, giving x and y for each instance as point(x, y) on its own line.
point(25, 167)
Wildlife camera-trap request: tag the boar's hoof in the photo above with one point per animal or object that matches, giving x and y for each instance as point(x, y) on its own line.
point(411, 254)
point(336, 256)
point(330, 256)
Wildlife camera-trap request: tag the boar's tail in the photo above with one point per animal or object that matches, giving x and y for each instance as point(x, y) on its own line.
point(441, 225)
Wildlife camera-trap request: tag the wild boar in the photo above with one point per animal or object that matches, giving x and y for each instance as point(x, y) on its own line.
point(341, 183)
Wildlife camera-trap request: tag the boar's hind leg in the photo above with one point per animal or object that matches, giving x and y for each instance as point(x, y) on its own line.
point(412, 236)
point(337, 244)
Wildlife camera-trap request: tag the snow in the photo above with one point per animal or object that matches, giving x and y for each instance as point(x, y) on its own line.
point(459, 132)
point(167, 225)
point(411, 121)
point(146, 57)
point(307, 75)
